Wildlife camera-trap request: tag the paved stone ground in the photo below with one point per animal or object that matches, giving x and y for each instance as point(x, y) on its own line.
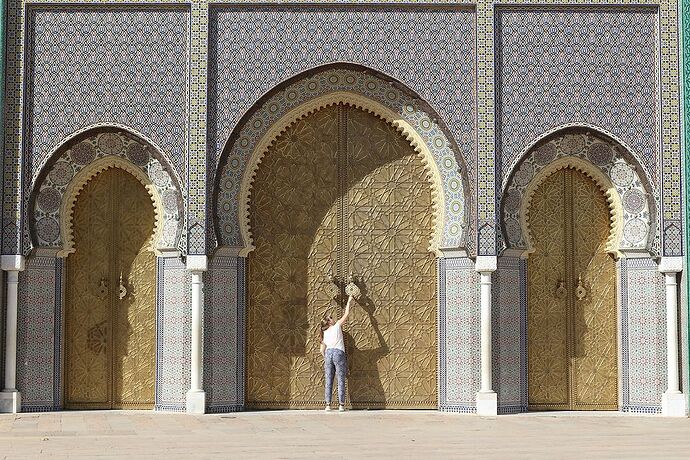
point(356, 434)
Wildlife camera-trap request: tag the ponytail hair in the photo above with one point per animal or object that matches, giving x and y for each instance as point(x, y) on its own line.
point(325, 324)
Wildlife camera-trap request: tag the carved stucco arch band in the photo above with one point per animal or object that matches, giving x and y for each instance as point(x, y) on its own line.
point(98, 127)
point(631, 206)
point(56, 192)
point(357, 89)
point(352, 100)
point(83, 177)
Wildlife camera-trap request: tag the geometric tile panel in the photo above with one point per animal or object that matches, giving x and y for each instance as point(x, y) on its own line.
point(252, 49)
point(643, 300)
point(38, 334)
point(174, 339)
point(509, 323)
point(593, 66)
point(223, 344)
point(132, 72)
point(459, 338)
point(255, 48)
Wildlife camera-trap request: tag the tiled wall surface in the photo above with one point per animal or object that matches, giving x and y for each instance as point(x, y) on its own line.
point(223, 334)
point(39, 322)
point(173, 334)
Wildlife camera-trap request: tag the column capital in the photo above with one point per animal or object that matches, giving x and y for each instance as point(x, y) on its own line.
point(12, 262)
point(197, 263)
point(671, 264)
point(485, 264)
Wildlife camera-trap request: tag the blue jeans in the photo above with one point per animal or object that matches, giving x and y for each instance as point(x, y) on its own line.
point(336, 362)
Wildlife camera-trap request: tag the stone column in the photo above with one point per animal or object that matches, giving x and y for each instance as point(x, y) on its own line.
point(10, 398)
point(196, 397)
point(673, 401)
point(487, 400)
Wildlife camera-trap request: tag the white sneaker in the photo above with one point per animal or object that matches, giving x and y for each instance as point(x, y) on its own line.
point(328, 408)
point(341, 408)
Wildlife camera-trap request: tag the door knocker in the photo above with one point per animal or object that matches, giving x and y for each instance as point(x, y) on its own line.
point(103, 289)
point(122, 292)
point(352, 288)
point(561, 291)
point(334, 287)
point(581, 291)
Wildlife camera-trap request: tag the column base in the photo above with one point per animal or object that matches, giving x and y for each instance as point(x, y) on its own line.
point(10, 402)
point(674, 405)
point(196, 402)
point(487, 403)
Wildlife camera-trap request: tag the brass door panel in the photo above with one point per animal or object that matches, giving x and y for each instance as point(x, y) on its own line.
point(571, 320)
point(392, 346)
point(341, 192)
point(110, 308)
point(294, 226)
point(595, 354)
point(547, 313)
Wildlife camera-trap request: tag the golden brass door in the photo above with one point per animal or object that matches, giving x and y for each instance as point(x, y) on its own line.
point(341, 192)
point(110, 297)
point(571, 318)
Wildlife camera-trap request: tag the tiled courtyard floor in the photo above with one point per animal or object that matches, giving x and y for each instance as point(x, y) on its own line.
point(356, 434)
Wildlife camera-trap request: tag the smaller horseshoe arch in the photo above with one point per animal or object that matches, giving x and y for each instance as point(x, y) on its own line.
point(82, 158)
point(607, 162)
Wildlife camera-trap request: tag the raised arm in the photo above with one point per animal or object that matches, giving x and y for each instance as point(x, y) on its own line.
point(343, 318)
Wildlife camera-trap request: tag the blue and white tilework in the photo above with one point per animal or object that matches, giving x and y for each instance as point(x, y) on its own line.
point(563, 65)
point(509, 327)
point(254, 49)
point(459, 340)
point(126, 65)
point(173, 334)
point(223, 344)
point(39, 323)
point(643, 341)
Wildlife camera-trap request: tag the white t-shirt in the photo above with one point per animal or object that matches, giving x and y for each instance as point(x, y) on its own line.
point(333, 337)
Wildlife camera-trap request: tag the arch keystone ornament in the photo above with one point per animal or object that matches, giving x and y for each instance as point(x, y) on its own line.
point(358, 89)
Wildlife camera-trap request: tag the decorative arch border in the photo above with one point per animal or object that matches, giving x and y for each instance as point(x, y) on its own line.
point(82, 158)
point(632, 207)
point(358, 89)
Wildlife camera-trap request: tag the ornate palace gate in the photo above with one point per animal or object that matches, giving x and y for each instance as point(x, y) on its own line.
point(110, 309)
point(341, 192)
point(572, 327)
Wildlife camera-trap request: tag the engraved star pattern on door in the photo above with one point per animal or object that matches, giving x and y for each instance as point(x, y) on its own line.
point(572, 330)
point(595, 355)
point(294, 206)
point(547, 311)
point(392, 346)
point(110, 342)
point(341, 192)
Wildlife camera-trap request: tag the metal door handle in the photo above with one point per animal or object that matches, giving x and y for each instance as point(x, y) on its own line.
point(122, 291)
point(103, 289)
point(561, 290)
point(334, 287)
point(580, 291)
